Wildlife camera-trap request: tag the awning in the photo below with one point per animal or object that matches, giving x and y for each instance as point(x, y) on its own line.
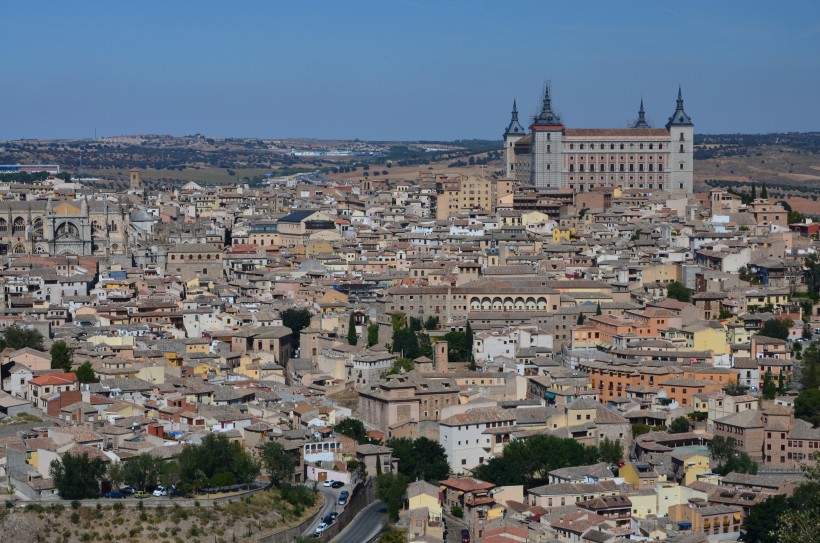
point(737, 517)
point(550, 395)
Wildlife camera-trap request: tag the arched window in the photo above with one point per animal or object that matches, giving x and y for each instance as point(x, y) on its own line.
point(4, 225)
point(611, 145)
point(622, 146)
point(18, 226)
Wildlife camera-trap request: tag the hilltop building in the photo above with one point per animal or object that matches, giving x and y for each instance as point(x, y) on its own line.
point(553, 156)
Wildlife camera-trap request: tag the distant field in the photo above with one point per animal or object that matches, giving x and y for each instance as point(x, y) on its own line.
point(205, 175)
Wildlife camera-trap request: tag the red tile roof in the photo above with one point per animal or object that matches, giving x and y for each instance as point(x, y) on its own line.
point(55, 379)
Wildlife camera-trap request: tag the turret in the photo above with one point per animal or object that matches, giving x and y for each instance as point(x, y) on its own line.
point(641, 122)
point(512, 134)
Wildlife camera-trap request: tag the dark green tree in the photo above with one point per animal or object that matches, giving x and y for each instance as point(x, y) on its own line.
point(458, 348)
point(798, 524)
point(639, 429)
point(425, 345)
point(215, 460)
point(297, 320)
point(811, 271)
point(415, 324)
point(763, 192)
point(775, 328)
point(807, 331)
point(811, 359)
point(352, 338)
point(679, 426)
point(610, 451)
point(115, 474)
point(727, 459)
point(400, 365)
point(85, 373)
point(420, 458)
point(142, 471)
point(372, 334)
point(391, 488)
point(528, 461)
point(769, 388)
point(77, 476)
point(352, 428)
point(16, 337)
point(406, 343)
point(761, 522)
point(678, 292)
point(468, 340)
point(60, 356)
point(753, 193)
point(393, 535)
point(580, 319)
point(807, 406)
point(431, 323)
point(598, 311)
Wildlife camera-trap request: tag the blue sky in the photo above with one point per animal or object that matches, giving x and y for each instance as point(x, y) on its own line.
point(412, 69)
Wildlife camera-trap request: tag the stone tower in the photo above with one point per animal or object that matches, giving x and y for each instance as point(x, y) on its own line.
point(547, 133)
point(512, 134)
point(681, 136)
point(134, 179)
point(442, 360)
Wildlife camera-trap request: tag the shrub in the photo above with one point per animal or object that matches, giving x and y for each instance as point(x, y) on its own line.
point(75, 517)
point(75, 504)
point(457, 512)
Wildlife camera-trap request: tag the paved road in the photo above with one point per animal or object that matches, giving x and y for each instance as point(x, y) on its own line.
point(366, 525)
point(331, 496)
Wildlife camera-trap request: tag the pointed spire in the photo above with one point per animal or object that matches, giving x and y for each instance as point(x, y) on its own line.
point(547, 117)
point(641, 122)
point(514, 128)
point(679, 118)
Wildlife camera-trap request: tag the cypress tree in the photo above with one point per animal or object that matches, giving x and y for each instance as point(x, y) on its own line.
point(351, 331)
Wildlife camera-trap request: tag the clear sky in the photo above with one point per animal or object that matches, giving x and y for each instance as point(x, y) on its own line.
point(412, 69)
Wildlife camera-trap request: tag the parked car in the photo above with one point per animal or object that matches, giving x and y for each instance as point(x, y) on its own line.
point(328, 520)
point(333, 516)
point(337, 484)
point(141, 494)
point(465, 535)
point(127, 490)
point(160, 491)
point(343, 497)
point(329, 482)
point(320, 528)
point(115, 495)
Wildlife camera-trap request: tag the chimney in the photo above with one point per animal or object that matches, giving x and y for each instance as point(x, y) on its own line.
point(86, 394)
point(442, 360)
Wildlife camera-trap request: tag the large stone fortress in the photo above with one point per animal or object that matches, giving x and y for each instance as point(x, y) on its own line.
point(553, 156)
point(54, 227)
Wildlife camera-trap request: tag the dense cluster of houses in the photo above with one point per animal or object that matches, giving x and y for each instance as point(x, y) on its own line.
point(566, 296)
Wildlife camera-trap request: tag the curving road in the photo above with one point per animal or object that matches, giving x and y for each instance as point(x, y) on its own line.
point(331, 497)
point(364, 526)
